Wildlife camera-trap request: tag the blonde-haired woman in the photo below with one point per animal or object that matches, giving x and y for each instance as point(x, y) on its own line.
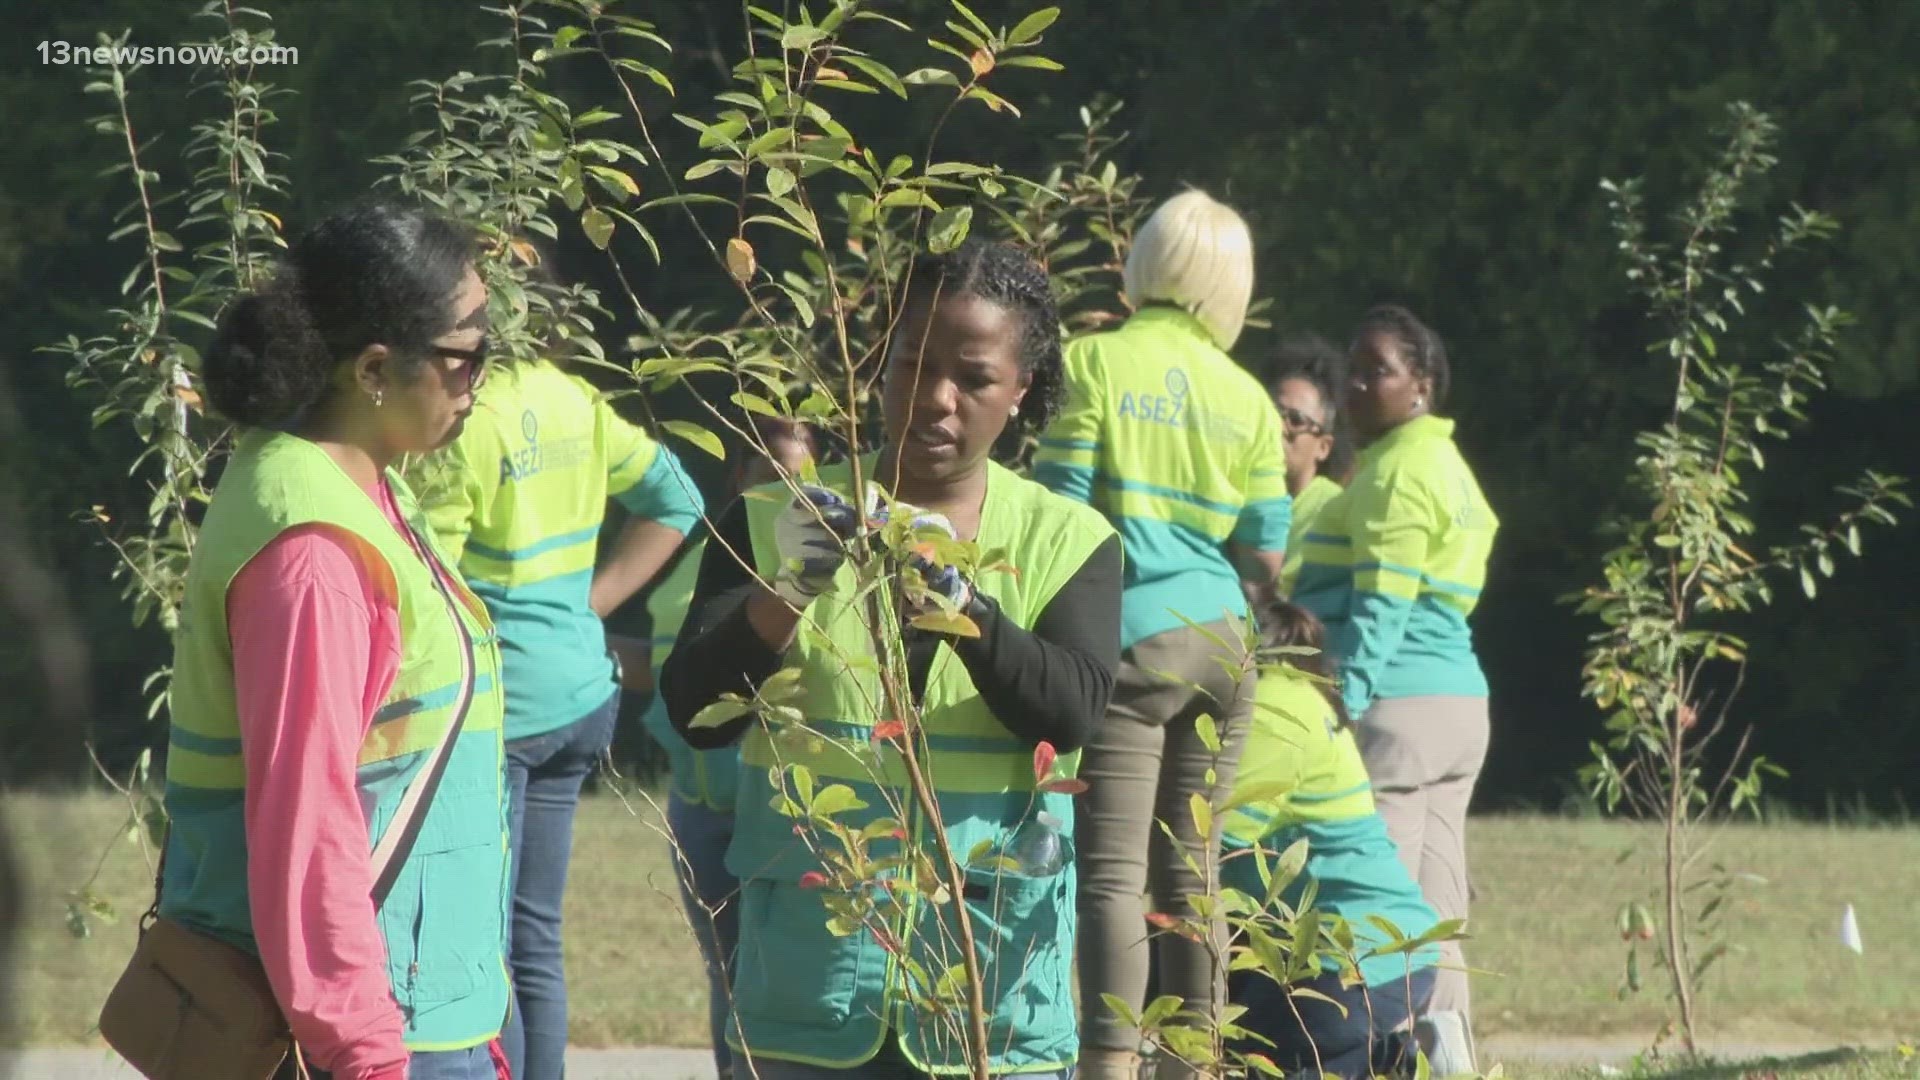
point(1181, 449)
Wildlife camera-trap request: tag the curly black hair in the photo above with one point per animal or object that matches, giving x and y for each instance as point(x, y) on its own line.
point(373, 273)
point(1426, 353)
point(1002, 274)
point(1312, 358)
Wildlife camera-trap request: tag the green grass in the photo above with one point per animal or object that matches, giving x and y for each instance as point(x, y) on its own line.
point(1547, 890)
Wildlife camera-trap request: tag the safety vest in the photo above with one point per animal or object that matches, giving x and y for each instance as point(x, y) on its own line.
point(519, 500)
point(1181, 448)
point(445, 920)
point(703, 777)
point(801, 993)
point(1295, 742)
point(1306, 506)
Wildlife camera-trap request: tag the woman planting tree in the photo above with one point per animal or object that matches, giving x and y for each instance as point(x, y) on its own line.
point(332, 673)
point(1302, 744)
point(702, 783)
point(975, 349)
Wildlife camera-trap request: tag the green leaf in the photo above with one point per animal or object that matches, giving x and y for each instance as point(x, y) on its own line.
point(698, 436)
point(617, 183)
point(834, 799)
point(754, 403)
point(909, 196)
point(1209, 733)
point(876, 71)
point(799, 37)
point(949, 228)
point(1040, 62)
point(1032, 26)
point(1202, 814)
point(930, 76)
point(1806, 583)
point(719, 713)
point(779, 181)
point(702, 170)
point(598, 227)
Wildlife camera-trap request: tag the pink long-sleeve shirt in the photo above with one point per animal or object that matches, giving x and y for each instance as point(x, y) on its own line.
point(316, 647)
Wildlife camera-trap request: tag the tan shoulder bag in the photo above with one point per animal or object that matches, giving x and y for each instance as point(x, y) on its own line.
point(192, 1007)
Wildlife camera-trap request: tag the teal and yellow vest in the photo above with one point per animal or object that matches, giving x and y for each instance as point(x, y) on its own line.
point(445, 920)
point(518, 501)
point(702, 777)
point(1394, 564)
point(1306, 506)
point(801, 993)
point(1295, 744)
point(1180, 448)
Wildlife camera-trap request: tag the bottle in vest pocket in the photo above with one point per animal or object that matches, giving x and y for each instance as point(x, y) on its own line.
point(1036, 847)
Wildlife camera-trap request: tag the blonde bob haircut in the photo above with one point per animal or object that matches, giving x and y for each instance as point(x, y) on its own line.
point(1196, 254)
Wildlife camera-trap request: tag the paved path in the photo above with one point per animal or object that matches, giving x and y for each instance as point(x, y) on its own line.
point(658, 1063)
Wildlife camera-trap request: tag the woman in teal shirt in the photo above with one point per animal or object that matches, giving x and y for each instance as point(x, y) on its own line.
point(1305, 385)
point(1393, 566)
point(1302, 743)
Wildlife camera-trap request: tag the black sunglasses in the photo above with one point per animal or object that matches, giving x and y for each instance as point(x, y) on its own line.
point(475, 358)
point(1296, 421)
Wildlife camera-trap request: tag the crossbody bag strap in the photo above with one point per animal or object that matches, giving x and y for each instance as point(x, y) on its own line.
point(396, 843)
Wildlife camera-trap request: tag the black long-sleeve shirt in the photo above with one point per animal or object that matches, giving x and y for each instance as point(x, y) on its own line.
point(1050, 683)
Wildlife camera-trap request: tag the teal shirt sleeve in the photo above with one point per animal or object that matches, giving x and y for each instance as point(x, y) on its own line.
point(1267, 516)
point(666, 494)
point(1069, 453)
point(1392, 528)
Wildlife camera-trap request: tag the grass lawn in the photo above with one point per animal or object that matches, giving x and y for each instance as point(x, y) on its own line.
point(1547, 891)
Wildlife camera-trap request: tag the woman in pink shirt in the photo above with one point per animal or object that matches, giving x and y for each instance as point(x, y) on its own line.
point(299, 722)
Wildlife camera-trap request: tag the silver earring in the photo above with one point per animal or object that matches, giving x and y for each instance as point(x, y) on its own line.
point(1014, 411)
point(379, 398)
point(1419, 403)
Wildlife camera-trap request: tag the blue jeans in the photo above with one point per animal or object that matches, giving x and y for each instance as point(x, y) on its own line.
point(888, 1064)
point(1367, 1038)
point(712, 898)
point(544, 775)
point(475, 1063)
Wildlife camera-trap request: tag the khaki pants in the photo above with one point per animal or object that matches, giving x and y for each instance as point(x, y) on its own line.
point(1143, 766)
point(1424, 754)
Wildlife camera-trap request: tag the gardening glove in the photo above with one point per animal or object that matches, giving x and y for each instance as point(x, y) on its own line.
point(945, 581)
point(809, 536)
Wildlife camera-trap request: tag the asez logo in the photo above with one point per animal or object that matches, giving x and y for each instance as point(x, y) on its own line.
point(1169, 408)
point(525, 461)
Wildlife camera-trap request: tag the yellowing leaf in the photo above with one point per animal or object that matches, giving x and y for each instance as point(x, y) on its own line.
point(598, 226)
point(740, 260)
point(981, 62)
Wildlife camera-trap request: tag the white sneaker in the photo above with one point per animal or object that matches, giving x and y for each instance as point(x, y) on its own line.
point(1447, 1042)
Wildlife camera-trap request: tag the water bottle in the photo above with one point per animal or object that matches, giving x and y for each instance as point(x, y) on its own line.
point(1037, 848)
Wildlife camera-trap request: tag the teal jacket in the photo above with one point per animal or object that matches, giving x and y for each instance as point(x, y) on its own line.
point(1394, 565)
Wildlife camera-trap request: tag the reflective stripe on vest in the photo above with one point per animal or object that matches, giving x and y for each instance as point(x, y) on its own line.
point(444, 949)
point(802, 993)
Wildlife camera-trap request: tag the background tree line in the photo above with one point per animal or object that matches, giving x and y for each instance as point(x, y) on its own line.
point(1444, 154)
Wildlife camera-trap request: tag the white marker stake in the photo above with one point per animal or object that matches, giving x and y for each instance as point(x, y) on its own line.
point(1850, 931)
